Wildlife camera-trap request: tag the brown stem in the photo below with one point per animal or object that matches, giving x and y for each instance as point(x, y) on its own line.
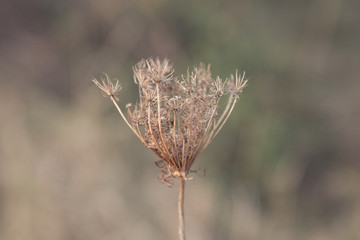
point(181, 209)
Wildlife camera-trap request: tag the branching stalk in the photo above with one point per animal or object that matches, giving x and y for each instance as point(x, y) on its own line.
point(176, 118)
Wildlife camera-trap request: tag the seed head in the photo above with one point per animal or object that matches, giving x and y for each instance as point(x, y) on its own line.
point(176, 117)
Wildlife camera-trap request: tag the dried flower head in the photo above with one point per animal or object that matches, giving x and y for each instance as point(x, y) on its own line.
point(107, 87)
point(176, 117)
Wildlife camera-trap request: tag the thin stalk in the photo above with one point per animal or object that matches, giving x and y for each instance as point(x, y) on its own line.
point(216, 127)
point(222, 124)
point(152, 135)
point(181, 209)
point(174, 139)
point(159, 122)
point(122, 115)
point(225, 111)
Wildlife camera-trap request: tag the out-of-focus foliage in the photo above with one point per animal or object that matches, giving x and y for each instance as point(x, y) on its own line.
point(285, 166)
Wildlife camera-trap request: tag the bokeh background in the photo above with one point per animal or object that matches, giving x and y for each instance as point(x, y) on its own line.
point(285, 166)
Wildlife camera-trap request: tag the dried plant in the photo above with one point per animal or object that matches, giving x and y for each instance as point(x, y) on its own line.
point(176, 117)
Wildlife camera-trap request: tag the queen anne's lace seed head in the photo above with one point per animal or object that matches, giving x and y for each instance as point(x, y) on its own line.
point(176, 118)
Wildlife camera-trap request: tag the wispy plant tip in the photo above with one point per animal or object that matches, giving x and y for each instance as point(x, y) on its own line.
point(107, 87)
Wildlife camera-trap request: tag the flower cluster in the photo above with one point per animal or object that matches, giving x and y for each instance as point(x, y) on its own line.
point(176, 117)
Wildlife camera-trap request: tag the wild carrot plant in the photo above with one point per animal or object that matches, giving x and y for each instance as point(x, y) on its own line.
point(176, 117)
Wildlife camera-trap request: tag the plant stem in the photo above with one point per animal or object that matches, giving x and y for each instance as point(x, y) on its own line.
point(181, 209)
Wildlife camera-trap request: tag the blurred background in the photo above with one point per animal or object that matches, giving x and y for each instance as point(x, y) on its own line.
point(285, 166)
